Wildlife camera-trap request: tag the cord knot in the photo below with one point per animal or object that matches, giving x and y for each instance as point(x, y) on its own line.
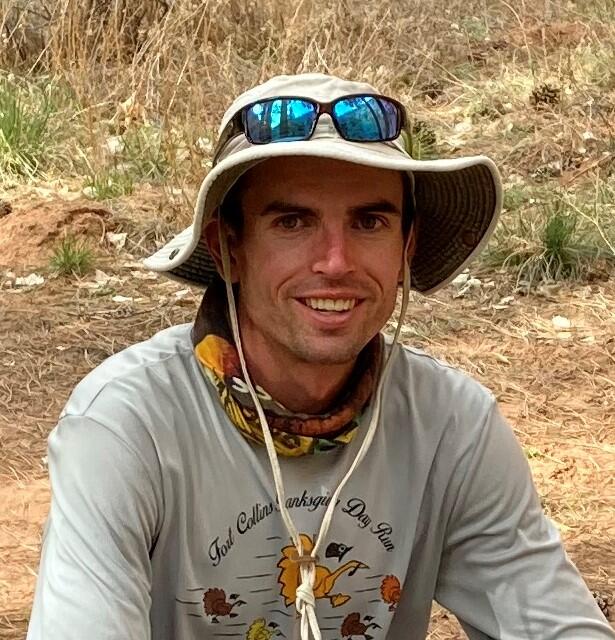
point(305, 597)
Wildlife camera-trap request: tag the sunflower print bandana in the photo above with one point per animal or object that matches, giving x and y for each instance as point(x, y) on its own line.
point(293, 434)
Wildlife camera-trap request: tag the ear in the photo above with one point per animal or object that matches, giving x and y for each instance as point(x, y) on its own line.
point(211, 237)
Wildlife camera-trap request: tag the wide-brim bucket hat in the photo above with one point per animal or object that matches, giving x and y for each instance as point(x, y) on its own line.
point(457, 201)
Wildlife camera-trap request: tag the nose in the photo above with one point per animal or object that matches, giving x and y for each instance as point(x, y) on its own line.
point(333, 253)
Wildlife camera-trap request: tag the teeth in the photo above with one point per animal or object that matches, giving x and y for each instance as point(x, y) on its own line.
point(328, 304)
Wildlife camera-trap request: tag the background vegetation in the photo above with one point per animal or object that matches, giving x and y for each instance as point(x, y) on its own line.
point(117, 93)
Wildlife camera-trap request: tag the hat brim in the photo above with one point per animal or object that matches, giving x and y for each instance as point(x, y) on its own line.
point(458, 202)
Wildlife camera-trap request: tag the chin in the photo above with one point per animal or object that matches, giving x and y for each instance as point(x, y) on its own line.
point(329, 354)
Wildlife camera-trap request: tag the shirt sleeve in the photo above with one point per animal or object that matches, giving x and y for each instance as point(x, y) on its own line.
point(504, 572)
point(95, 574)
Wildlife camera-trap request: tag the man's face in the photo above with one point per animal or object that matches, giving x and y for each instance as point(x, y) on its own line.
point(319, 257)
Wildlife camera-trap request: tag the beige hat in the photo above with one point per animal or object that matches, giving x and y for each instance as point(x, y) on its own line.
point(458, 201)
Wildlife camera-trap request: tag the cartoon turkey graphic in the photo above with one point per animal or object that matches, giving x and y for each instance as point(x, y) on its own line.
point(216, 604)
point(337, 550)
point(390, 590)
point(353, 626)
point(324, 581)
point(260, 630)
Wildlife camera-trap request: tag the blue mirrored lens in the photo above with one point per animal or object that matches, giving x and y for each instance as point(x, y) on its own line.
point(281, 119)
point(367, 118)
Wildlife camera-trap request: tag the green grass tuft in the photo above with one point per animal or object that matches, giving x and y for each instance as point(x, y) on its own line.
point(420, 141)
point(550, 244)
point(144, 152)
point(108, 184)
point(71, 257)
point(24, 119)
point(35, 117)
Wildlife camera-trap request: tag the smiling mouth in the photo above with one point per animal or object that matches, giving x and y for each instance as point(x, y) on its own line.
point(337, 305)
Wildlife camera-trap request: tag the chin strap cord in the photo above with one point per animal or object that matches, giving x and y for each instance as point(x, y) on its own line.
point(305, 600)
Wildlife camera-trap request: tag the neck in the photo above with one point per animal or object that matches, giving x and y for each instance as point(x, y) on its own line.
point(301, 387)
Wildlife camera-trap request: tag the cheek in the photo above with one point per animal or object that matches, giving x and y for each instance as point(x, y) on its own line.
point(389, 268)
point(264, 269)
point(270, 256)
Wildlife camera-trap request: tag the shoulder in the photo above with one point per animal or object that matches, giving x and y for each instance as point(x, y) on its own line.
point(437, 385)
point(141, 400)
point(136, 375)
point(441, 411)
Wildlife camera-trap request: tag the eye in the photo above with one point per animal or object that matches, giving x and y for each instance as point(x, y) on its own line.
point(370, 222)
point(291, 222)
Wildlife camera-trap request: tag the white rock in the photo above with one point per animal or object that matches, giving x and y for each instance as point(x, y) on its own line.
point(121, 299)
point(561, 323)
point(31, 280)
point(461, 279)
point(118, 240)
point(89, 192)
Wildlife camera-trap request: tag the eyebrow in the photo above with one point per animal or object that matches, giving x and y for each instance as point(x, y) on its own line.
point(284, 206)
point(383, 206)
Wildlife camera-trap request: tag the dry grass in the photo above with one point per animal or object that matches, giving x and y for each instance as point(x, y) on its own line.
point(132, 94)
point(141, 87)
point(460, 62)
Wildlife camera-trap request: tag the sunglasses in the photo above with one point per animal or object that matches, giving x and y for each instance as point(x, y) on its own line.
point(363, 117)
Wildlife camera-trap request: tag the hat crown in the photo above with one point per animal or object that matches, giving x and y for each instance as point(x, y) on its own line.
point(317, 86)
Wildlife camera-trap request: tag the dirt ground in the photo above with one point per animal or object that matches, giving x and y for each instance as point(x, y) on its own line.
point(548, 357)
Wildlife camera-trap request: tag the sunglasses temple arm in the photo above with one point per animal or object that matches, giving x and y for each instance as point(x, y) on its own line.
point(230, 131)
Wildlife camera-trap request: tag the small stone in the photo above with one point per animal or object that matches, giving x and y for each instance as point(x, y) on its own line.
point(561, 323)
point(5, 208)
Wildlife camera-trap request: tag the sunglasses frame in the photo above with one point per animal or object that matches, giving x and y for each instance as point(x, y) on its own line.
point(237, 124)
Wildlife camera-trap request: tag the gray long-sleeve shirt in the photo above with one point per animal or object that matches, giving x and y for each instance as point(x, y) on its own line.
point(164, 522)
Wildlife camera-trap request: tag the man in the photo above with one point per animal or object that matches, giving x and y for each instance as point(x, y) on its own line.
point(278, 468)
